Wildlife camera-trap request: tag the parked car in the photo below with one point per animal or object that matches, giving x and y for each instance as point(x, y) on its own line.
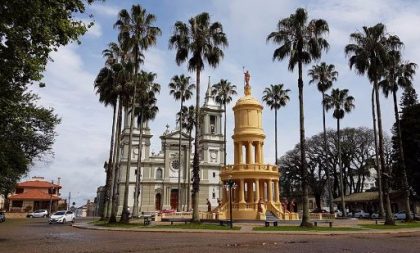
point(374, 216)
point(2, 217)
point(41, 213)
point(402, 215)
point(318, 210)
point(62, 217)
point(360, 214)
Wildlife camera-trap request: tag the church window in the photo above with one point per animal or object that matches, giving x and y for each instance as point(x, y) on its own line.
point(214, 194)
point(214, 174)
point(212, 124)
point(159, 173)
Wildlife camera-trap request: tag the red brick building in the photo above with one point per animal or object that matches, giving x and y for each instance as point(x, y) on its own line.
point(36, 193)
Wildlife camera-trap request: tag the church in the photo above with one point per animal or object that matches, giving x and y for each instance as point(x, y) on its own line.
point(159, 171)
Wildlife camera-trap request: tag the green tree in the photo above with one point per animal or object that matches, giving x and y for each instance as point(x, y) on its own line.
point(302, 42)
point(204, 41)
point(146, 110)
point(188, 123)
point(276, 97)
point(341, 103)
point(399, 74)
point(409, 97)
point(222, 93)
point(181, 89)
point(136, 30)
point(324, 75)
point(369, 54)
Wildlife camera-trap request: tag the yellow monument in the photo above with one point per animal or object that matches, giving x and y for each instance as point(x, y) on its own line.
point(256, 188)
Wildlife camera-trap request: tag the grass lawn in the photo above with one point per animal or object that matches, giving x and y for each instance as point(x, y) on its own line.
point(312, 229)
point(198, 226)
point(179, 226)
point(399, 225)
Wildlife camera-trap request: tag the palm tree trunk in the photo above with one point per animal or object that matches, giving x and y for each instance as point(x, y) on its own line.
point(406, 187)
point(179, 204)
point(327, 171)
point(136, 209)
point(125, 213)
point(305, 216)
point(115, 165)
point(380, 190)
point(108, 185)
point(385, 170)
point(224, 134)
point(343, 204)
point(275, 136)
point(188, 172)
point(196, 160)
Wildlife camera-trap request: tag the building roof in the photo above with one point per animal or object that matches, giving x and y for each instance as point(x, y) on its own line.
point(37, 184)
point(364, 197)
point(33, 195)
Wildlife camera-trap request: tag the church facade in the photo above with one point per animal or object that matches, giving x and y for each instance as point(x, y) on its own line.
point(159, 171)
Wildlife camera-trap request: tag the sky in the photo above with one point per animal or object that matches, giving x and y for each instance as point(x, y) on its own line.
point(82, 142)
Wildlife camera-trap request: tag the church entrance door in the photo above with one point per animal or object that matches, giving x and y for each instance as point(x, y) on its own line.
point(158, 201)
point(174, 198)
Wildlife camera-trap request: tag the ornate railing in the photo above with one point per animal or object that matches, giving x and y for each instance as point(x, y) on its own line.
point(250, 167)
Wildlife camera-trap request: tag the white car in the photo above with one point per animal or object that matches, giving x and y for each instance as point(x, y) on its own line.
point(401, 215)
point(374, 216)
point(361, 214)
point(42, 213)
point(62, 217)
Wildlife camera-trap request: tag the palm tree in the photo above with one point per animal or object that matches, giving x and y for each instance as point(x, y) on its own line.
point(146, 111)
point(222, 93)
point(276, 97)
point(342, 103)
point(370, 54)
point(302, 42)
point(188, 123)
point(203, 41)
point(182, 90)
point(136, 30)
point(399, 74)
point(324, 75)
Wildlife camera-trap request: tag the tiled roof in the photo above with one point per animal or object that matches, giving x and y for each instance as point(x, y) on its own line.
point(33, 195)
point(38, 184)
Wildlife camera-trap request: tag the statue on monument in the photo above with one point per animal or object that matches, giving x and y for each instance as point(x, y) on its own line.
point(247, 87)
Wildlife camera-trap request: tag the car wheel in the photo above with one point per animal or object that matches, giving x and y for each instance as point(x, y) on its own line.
point(73, 221)
point(64, 221)
point(44, 216)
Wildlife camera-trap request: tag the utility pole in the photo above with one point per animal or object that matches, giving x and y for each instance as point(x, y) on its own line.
point(68, 203)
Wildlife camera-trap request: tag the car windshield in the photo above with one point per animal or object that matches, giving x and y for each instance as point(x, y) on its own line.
point(59, 213)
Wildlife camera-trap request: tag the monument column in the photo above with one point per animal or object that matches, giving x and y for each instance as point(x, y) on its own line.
point(257, 152)
point(241, 191)
point(248, 152)
point(270, 190)
point(240, 153)
point(257, 190)
point(276, 191)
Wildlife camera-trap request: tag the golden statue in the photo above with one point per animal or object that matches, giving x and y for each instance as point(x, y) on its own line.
point(247, 88)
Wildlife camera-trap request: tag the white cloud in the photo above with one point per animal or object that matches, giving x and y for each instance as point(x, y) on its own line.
point(105, 10)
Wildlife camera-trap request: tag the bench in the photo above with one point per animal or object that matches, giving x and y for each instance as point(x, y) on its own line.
point(146, 219)
point(378, 221)
point(179, 220)
point(275, 223)
point(223, 222)
point(330, 223)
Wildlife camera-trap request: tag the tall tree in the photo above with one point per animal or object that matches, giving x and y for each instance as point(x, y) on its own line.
point(369, 54)
point(188, 123)
point(409, 97)
point(137, 31)
point(399, 74)
point(324, 75)
point(222, 93)
point(276, 97)
point(341, 103)
point(204, 41)
point(146, 110)
point(105, 86)
point(302, 42)
point(181, 89)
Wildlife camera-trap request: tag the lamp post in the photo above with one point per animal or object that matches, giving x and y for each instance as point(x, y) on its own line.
point(230, 184)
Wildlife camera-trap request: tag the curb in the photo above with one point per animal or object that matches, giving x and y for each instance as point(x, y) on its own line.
point(175, 230)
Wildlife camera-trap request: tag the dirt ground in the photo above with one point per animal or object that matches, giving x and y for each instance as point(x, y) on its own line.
point(36, 235)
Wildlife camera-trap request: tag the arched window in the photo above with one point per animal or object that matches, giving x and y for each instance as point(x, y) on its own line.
point(159, 173)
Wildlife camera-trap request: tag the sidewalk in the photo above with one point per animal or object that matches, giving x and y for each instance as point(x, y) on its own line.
point(247, 228)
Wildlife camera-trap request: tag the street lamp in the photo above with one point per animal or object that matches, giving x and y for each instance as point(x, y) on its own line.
point(230, 184)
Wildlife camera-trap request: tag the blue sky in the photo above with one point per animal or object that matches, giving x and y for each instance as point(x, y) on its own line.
point(83, 137)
